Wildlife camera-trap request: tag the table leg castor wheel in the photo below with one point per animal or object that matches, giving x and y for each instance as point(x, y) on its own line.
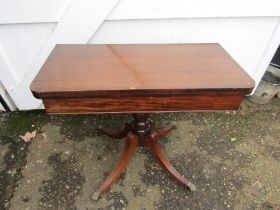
point(191, 186)
point(95, 196)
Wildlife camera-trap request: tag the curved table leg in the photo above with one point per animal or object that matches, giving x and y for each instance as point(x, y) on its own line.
point(166, 130)
point(130, 146)
point(159, 155)
point(116, 134)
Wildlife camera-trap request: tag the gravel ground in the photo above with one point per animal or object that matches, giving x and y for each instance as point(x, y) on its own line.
point(232, 157)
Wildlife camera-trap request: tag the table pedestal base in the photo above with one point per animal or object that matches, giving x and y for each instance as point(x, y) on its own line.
point(141, 132)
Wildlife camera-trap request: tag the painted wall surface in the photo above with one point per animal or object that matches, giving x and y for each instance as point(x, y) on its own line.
point(29, 29)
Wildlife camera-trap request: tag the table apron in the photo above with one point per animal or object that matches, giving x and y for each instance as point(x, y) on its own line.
point(142, 104)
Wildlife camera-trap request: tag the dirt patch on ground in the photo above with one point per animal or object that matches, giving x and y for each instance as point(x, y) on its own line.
point(232, 157)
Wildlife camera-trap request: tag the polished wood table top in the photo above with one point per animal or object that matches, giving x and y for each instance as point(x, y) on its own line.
point(93, 74)
point(140, 79)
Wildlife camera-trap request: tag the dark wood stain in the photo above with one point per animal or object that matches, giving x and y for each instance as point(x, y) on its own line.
point(90, 70)
point(132, 78)
point(141, 132)
point(138, 104)
point(80, 79)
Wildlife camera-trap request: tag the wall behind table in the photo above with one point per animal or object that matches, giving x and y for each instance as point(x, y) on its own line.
point(30, 29)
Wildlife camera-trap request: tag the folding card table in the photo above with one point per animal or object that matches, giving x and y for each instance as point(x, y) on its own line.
point(140, 79)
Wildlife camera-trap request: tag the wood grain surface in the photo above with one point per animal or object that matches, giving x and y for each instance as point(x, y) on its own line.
point(139, 70)
point(140, 104)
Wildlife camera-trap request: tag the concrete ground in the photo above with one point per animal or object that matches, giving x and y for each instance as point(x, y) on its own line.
point(232, 157)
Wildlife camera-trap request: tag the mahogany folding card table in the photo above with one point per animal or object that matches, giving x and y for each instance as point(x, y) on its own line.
point(140, 79)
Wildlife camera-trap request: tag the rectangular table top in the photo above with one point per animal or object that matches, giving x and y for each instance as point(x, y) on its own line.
point(140, 78)
point(117, 70)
